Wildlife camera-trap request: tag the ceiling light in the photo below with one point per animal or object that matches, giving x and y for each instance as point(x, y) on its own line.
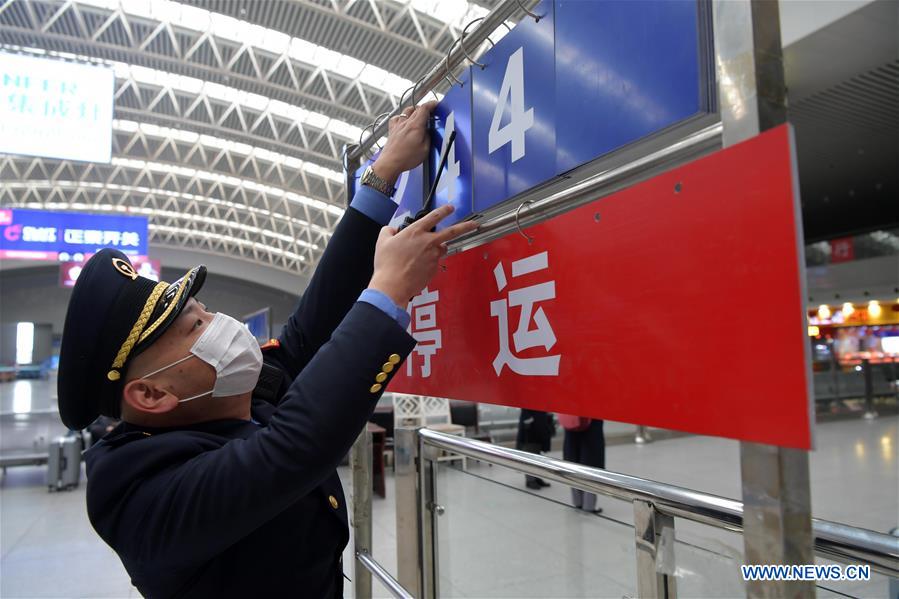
point(874, 309)
point(149, 191)
point(244, 33)
point(234, 240)
point(161, 167)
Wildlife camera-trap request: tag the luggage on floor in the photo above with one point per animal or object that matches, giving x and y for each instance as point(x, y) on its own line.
point(64, 463)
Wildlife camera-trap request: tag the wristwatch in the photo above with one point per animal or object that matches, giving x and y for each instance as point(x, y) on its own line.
point(375, 182)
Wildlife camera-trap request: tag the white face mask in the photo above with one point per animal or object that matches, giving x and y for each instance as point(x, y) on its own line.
point(229, 347)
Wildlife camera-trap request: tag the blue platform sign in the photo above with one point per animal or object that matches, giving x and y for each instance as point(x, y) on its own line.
point(587, 79)
point(624, 70)
point(514, 112)
point(37, 234)
point(408, 195)
point(454, 187)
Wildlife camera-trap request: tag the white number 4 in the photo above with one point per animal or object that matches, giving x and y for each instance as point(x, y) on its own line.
point(520, 120)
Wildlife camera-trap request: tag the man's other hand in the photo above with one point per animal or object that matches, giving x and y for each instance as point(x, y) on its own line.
point(405, 262)
point(407, 142)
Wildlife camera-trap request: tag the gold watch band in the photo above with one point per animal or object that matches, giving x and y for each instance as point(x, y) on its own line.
point(375, 182)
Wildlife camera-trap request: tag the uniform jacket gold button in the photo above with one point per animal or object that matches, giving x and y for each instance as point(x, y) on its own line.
point(394, 359)
point(375, 388)
point(382, 376)
point(387, 367)
point(333, 501)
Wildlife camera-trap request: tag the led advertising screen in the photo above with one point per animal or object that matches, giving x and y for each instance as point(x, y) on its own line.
point(55, 109)
point(40, 235)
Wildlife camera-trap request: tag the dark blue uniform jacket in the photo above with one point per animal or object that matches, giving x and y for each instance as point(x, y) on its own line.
point(232, 508)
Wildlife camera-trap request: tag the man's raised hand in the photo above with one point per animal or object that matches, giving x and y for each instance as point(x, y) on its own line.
point(405, 262)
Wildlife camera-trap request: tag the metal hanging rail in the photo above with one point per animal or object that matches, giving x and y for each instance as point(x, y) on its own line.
point(524, 211)
point(461, 51)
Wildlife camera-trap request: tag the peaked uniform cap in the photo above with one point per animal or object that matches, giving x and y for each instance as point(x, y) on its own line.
point(114, 314)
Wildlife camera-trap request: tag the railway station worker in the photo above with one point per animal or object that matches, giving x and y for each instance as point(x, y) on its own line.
point(221, 479)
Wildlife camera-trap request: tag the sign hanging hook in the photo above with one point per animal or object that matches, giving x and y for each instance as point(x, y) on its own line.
point(361, 135)
point(462, 43)
point(518, 223)
point(447, 72)
point(535, 16)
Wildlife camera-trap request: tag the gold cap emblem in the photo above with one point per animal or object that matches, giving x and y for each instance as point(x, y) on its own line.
point(124, 268)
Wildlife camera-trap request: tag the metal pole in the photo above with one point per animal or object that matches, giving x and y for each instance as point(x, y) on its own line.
point(642, 435)
point(835, 370)
point(361, 452)
point(427, 484)
point(360, 462)
point(350, 164)
point(408, 501)
point(894, 376)
point(655, 552)
point(777, 524)
point(777, 517)
point(870, 412)
point(749, 60)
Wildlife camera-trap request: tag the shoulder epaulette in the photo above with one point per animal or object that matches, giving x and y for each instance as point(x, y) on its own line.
point(270, 344)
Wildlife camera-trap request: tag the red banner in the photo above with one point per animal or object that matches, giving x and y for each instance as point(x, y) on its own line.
point(638, 307)
point(842, 250)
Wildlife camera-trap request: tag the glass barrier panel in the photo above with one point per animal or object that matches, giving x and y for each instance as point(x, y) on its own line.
point(707, 561)
point(877, 585)
point(496, 538)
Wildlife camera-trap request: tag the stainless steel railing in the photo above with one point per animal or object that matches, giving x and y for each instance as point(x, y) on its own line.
point(655, 507)
point(383, 576)
point(836, 541)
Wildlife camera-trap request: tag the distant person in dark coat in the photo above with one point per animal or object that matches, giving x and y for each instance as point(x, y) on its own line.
point(584, 444)
point(535, 433)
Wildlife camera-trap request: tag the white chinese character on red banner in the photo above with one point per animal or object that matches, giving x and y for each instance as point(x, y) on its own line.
point(525, 337)
point(423, 327)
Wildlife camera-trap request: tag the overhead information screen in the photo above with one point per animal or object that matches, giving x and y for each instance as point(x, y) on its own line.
point(42, 235)
point(55, 109)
